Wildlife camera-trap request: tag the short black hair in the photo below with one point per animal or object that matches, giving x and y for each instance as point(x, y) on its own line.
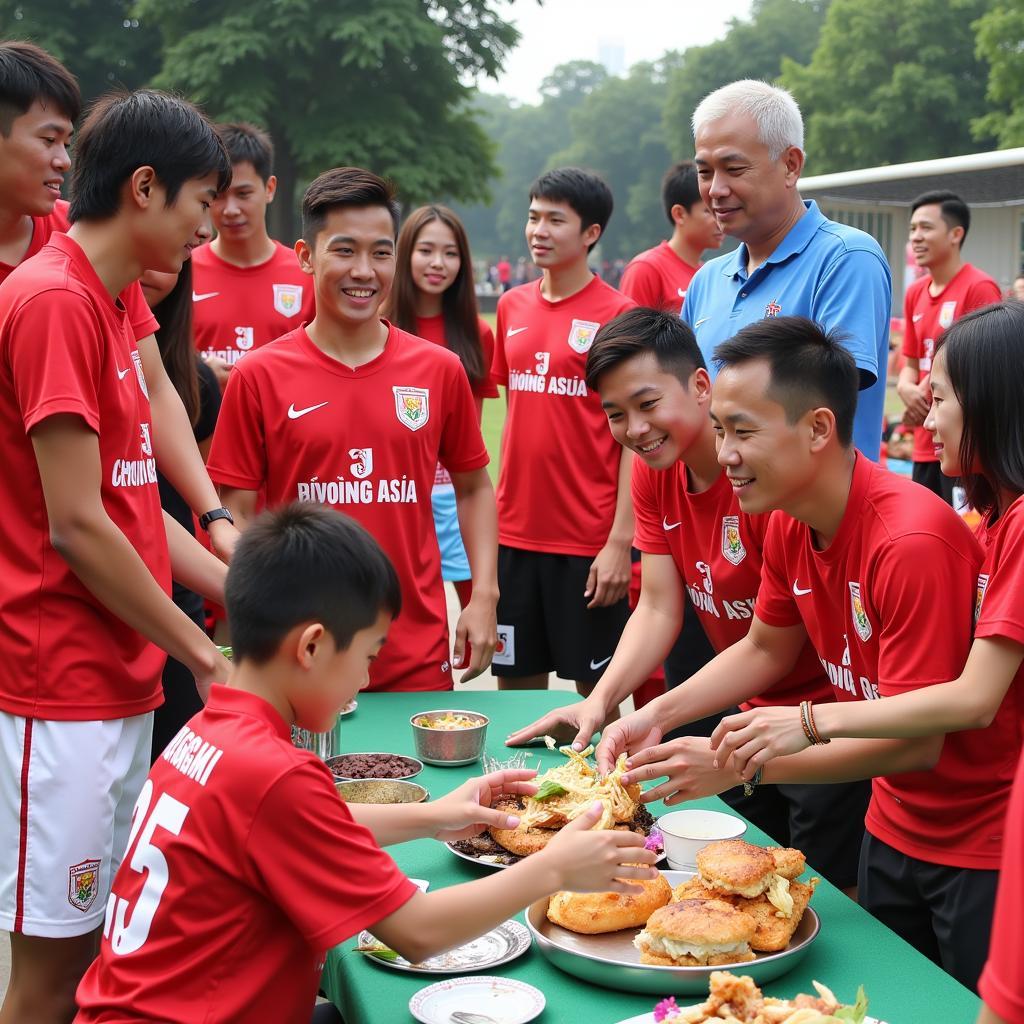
point(28, 73)
point(810, 367)
point(585, 191)
point(955, 212)
point(345, 186)
point(984, 355)
point(642, 330)
point(247, 143)
point(305, 563)
point(679, 187)
point(146, 128)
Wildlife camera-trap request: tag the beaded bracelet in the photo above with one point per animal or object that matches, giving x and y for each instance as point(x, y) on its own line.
point(805, 721)
point(814, 729)
point(749, 787)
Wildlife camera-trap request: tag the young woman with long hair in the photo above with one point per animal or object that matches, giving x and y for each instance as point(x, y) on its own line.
point(170, 298)
point(433, 296)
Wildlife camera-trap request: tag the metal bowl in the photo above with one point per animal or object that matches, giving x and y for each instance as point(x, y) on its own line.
point(449, 746)
point(611, 959)
point(415, 765)
point(381, 791)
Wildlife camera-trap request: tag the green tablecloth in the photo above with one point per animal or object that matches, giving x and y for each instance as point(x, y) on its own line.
point(852, 948)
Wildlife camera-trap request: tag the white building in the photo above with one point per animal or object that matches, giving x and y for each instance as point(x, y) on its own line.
point(877, 200)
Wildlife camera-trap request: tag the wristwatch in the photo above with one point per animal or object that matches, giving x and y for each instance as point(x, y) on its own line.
point(211, 517)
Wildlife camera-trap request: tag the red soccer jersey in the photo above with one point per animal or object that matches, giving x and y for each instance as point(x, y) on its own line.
point(432, 328)
point(926, 316)
point(367, 442)
point(243, 868)
point(901, 557)
point(717, 550)
point(67, 348)
point(657, 277)
point(559, 463)
point(1002, 981)
point(238, 309)
point(139, 316)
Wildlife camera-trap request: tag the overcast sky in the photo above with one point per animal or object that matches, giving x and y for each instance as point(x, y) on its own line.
point(604, 31)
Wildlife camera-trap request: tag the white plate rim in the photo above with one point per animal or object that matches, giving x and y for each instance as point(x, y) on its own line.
point(418, 998)
point(648, 1018)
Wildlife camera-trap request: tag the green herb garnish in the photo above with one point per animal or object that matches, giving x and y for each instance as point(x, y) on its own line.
point(549, 789)
point(856, 1013)
point(226, 651)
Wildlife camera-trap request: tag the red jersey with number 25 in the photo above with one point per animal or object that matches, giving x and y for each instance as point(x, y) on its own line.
point(66, 348)
point(901, 557)
point(717, 549)
point(926, 316)
point(238, 309)
point(366, 442)
point(657, 277)
point(243, 868)
point(559, 463)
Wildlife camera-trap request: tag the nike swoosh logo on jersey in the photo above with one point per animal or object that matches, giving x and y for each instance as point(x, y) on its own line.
point(666, 525)
point(196, 297)
point(121, 374)
point(516, 330)
point(797, 592)
point(917, 316)
point(702, 320)
point(595, 665)
point(294, 414)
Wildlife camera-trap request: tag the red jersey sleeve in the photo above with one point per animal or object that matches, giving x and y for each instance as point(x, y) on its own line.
point(486, 388)
point(462, 445)
point(325, 870)
point(775, 605)
point(922, 579)
point(981, 293)
point(499, 367)
point(650, 534)
point(641, 283)
point(55, 352)
point(140, 316)
point(912, 347)
point(238, 455)
point(1002, 611)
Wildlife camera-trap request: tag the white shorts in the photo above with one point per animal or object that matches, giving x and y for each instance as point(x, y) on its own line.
point(67, 791)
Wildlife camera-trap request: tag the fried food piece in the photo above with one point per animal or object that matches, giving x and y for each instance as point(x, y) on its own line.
point(733, 866)
point(694, 933)
point(789, 863)
point(593, 913)
point(695, 889)
point(773, 931)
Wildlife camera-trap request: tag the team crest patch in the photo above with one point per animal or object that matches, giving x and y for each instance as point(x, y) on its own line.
point(772, 309)
point(861, 622)
point(412, 405)
point(83, 884)
point(732, 542)
point(947, 314)
point(137, 363)
point(979, 594)
point(288, 299)
point(581, 335)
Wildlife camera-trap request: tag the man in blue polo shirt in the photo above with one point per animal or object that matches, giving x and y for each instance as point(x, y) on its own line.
point(793, 261)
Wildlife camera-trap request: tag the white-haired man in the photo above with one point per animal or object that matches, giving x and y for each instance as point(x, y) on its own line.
point(793, 261)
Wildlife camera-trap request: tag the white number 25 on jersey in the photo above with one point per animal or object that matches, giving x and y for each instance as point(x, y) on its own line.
point(127, 936)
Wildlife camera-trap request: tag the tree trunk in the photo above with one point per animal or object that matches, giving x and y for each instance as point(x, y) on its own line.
point(283, 215)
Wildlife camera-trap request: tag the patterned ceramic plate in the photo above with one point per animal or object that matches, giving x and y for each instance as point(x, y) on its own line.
point(498, 946)
point(502, 999)
point(648, 1018)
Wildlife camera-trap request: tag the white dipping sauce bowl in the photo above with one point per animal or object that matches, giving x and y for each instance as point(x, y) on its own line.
point(687, 832)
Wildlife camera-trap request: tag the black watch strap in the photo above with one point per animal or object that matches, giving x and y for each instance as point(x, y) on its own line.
point(211, 517)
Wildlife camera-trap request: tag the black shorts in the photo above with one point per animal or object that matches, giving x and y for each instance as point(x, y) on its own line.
point(824, 821)
point(943, 912)
point(690, 653)
point(929, 475)
point(544, 624)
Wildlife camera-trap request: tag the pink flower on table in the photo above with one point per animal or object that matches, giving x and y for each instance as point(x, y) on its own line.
point(666, 1008)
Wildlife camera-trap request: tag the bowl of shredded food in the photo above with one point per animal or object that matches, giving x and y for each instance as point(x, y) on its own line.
point(449, 737)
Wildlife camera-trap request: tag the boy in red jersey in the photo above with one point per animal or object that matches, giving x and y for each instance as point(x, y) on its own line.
point(696, 540)
point(86, 555)
point(939, 222)
point(264, 868)
point(39, 103)
point(852, 559)
point(247, 288)
point(564, 512)
point(658, 277)
point(355, 413)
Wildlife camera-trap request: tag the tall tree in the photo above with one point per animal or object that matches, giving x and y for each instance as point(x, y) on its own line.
point(890, 83)
point(999, 36)
point(754, 47)
point(379, 85)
